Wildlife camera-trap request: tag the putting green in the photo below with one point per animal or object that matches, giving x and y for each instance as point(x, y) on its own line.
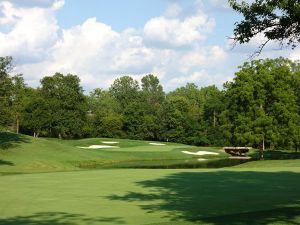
point(137, 196)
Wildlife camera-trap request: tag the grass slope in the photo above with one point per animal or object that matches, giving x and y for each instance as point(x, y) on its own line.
point(24, 154)
point(165, 197)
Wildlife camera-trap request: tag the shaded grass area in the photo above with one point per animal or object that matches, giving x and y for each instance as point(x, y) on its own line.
point(280, 216)
point(223, 197)
point(57, 218)
point(164, 197)
point(11, 140)
point(3, 162)
point(281, 154)
point(162, 163)
point(283, 164)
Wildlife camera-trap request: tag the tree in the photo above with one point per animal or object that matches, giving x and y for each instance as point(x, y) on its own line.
point(18, 99)
point(125, 90)
point(6, 88)
point(104, 119)
point(192, 123)
point(277, 20)
point(172, 119)
point(213, 100)
point(261, 105)
point(65, 98)
point(151, 101)
point(153, 91)
point(37, 115)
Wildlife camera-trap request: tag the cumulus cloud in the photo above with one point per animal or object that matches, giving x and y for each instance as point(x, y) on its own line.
point(201, 78)
point(173, 10)
point(33, 30)
point(177, 31)
point(182, 80)
point(202, 57)
point(98, 54)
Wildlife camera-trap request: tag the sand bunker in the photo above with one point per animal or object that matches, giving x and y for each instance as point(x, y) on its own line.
point(98, 146)
point(110, 142)
point(157, 144)
point(201, 159)
point(200, 153)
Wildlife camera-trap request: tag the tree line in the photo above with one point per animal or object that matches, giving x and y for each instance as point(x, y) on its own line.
point(260, 107)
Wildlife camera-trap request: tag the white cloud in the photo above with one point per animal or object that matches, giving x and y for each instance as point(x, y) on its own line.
point(295, 54)
point(202, 58)
point(98, 54)
point(201, 78)
point(33, 30)
point(182, 80)
point(58, 4)
point(173, 10)
point(174, 30)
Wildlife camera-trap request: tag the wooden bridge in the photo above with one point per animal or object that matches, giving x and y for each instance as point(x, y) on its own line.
point(237, 151)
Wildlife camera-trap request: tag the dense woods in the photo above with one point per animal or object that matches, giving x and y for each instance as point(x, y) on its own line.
point(259, 108)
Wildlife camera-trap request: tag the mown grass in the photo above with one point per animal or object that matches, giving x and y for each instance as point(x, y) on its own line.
point(256, 192)
point(142, 196)
point(29, 155)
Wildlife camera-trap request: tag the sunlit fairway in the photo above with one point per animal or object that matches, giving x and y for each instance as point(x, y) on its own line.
point(259, 192)
point(28, 155)
point(144, 196)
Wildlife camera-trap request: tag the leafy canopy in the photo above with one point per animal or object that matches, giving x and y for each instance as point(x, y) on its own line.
point(277, 20)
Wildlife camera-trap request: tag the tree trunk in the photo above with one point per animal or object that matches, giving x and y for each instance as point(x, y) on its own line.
point(17, 125)
point(59, 135)
point(34, 134)
point(214, 118)
point(261, 154)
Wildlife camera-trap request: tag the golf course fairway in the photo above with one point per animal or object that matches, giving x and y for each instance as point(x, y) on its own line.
point(153, 196)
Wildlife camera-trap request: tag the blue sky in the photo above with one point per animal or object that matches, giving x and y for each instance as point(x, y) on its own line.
point(179, 41)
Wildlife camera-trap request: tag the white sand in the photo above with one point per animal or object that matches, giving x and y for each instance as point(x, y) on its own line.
point(110, 142)
point(98, 146)
point(157, 144)
point(201, 159)
point(200, 153)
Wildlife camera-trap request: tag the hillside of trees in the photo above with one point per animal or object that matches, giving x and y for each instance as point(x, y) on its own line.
point(259, 108)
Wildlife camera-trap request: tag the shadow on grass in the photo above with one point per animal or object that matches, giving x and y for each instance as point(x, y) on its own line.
point(222, 197)
point(11, 140)
point(58, 218)
point(271, 154)
point(4, 162)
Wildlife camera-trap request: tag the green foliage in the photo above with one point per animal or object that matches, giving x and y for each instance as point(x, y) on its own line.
point(66, 103)
point(12, 95)
point(37, 115)
point(277, 20)
point(104, 118)
point(125, 90)
point(262, 105)
point(6, 87)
